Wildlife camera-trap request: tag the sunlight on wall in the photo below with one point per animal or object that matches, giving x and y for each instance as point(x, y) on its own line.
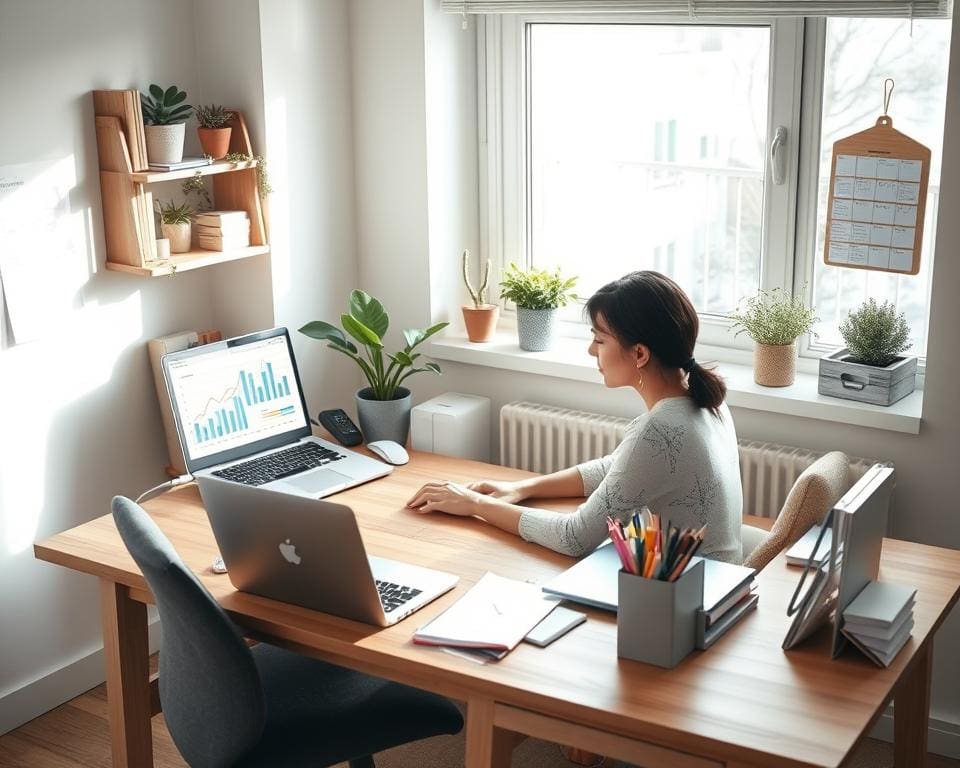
point(47, 379)
point(276, 121)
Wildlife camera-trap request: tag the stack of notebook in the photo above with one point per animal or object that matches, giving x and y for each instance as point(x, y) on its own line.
point(222, 230)
point(879, 620)
point(729, 592)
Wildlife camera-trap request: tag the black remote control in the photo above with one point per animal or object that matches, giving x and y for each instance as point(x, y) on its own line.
point(338, 424)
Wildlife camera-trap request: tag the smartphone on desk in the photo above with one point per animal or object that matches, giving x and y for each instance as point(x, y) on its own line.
point(555, 625)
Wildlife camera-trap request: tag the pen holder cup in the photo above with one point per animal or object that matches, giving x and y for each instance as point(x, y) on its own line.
point(657, 620)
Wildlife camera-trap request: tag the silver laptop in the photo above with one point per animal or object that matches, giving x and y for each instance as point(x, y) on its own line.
point(241, 416)
point(310, 553)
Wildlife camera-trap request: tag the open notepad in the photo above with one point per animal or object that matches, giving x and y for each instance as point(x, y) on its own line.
point(496, 613)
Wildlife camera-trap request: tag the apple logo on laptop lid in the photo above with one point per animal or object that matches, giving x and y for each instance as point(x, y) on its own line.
point(289, 552)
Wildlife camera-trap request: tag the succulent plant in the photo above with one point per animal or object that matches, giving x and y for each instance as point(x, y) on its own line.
point(212, 116)
point(163, 107)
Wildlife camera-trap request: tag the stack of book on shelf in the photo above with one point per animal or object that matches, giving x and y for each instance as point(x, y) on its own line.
point(185, 162)
point(222, 230)
point(879, 620)
point(729, 593)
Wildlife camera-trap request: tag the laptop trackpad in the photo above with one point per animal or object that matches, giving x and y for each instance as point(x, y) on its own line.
point(317, 480)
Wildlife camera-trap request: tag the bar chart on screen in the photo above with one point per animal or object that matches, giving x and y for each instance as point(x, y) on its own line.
point(242, 395)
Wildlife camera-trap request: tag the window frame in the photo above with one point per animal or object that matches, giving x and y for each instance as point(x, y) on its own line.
point(795, 100)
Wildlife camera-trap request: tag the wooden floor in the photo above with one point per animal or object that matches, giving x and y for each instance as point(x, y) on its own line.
point(76, 735)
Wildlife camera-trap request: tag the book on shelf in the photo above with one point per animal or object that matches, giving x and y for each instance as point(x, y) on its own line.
point(187, 162)
point(221, 218)
point(800, 552)
point(223, 243)
point(238, 229)
point(125, 105)
point(879, 620)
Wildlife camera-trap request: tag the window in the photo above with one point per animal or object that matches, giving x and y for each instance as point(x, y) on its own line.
point(644, 145)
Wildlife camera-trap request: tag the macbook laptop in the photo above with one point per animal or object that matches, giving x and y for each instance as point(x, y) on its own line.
point(310, 553)
point(241, 416)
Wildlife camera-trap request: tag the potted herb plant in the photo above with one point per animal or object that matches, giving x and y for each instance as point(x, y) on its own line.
point(871, 368)
point(774, 320)
point(175, 224)
point(480, 319)
point(164, 117)
point(384, 406)
point(214, 129)
point(538, 294)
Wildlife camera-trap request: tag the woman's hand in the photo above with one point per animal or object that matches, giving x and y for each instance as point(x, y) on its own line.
point(447, 497)
point(504, 490)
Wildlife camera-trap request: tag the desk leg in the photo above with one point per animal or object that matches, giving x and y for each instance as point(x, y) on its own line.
point(487, 746)
point(128, 676)
point(911, 712)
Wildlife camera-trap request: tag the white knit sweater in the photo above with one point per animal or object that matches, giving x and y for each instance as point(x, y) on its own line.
point(679, 460)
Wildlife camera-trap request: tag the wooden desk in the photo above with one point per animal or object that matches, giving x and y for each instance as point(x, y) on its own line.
point(742, 703)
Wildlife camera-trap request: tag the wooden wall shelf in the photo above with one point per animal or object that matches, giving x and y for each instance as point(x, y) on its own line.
point(128, 216)
point(184, 262)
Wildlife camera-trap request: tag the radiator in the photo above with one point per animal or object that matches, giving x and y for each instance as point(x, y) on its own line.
point(544, 438)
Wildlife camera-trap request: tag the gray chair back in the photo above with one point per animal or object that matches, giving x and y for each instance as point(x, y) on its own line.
point(210, 690)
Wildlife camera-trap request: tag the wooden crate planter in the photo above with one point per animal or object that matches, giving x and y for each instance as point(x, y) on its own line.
point(839, 377)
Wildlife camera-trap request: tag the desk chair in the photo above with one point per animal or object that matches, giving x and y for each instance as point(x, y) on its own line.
point(817, 489)
point(229, 705)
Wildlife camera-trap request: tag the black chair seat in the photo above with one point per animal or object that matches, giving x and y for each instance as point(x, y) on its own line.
point(319, 714)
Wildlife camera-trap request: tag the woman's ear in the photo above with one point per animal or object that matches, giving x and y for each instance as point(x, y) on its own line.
point(642, 354)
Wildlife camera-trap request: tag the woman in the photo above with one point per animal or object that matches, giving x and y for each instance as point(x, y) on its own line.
point(679, 458)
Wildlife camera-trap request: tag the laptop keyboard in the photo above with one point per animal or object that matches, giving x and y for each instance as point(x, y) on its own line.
point(273, 466)
point(392, 596)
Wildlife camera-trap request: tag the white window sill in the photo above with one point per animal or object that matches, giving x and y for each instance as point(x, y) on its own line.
point(568, 360)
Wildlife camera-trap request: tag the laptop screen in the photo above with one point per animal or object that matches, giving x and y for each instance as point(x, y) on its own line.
point(235, 398)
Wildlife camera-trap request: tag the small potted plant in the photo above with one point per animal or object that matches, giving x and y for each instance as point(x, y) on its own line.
point(175, 224)
point(538, 294)
point(871, 368)
point(214, 129)
point(481, 318)
point(164, 117)
point(384, 406)
point(774, 320)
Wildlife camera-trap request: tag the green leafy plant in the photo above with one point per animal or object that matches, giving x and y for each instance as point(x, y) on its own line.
point(195, 186)
point(537, 288)
point(367, 323)
point(263, 183)
point(774, 317)
point(171, 213)
point(163, 107)
point(875, 334)
point(212, 116)
point(477, 294)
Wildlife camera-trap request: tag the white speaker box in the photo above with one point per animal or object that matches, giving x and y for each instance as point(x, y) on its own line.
point(452, 424)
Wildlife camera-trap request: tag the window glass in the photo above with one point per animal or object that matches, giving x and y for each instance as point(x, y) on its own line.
point(646, 151)
point(860, 54)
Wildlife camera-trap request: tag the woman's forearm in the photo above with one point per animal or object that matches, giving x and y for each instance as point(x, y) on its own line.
point(501, 514)
point(567, 483)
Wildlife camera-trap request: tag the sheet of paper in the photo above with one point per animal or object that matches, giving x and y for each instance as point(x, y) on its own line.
point(908, 193)
point(879, 256)
point(842, 209)
point(909, 170)
point(39, 258)
point(880, 234)
point(903, 237)
point(888, 169)
point(901, 259)
point(862, 210)
point(884, 213)
point(859, 254)
point(846, 165)
point(496, 612)
point(866, 167)
point(906, 216)
point(839, 253)
point(843, 188)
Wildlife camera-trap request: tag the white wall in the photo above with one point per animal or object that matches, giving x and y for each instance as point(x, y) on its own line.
point(90, 427)
point(927, 491)
point(309, 127)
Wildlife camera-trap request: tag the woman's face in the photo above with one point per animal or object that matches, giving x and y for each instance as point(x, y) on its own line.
point(617, 364)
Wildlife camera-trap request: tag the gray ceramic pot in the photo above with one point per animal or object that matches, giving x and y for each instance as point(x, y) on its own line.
point(384, 419)
point(535, 328)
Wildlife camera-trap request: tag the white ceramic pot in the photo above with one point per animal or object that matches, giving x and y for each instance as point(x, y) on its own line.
point(163, 248)
point(164, 142)
point(178, 235)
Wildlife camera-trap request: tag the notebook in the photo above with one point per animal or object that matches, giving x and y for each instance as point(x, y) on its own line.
point(593, 581)
point(241, 416)
point(800, 552)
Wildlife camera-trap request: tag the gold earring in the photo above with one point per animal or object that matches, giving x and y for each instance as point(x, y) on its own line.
point(639, 379)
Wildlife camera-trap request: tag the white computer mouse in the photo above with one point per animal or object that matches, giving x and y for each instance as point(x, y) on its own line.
point(389, 451)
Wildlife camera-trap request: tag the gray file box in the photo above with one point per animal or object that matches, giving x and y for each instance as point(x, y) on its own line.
point(657, 620)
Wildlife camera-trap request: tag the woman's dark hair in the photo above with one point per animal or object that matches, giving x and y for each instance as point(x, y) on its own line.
point(651, 309)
